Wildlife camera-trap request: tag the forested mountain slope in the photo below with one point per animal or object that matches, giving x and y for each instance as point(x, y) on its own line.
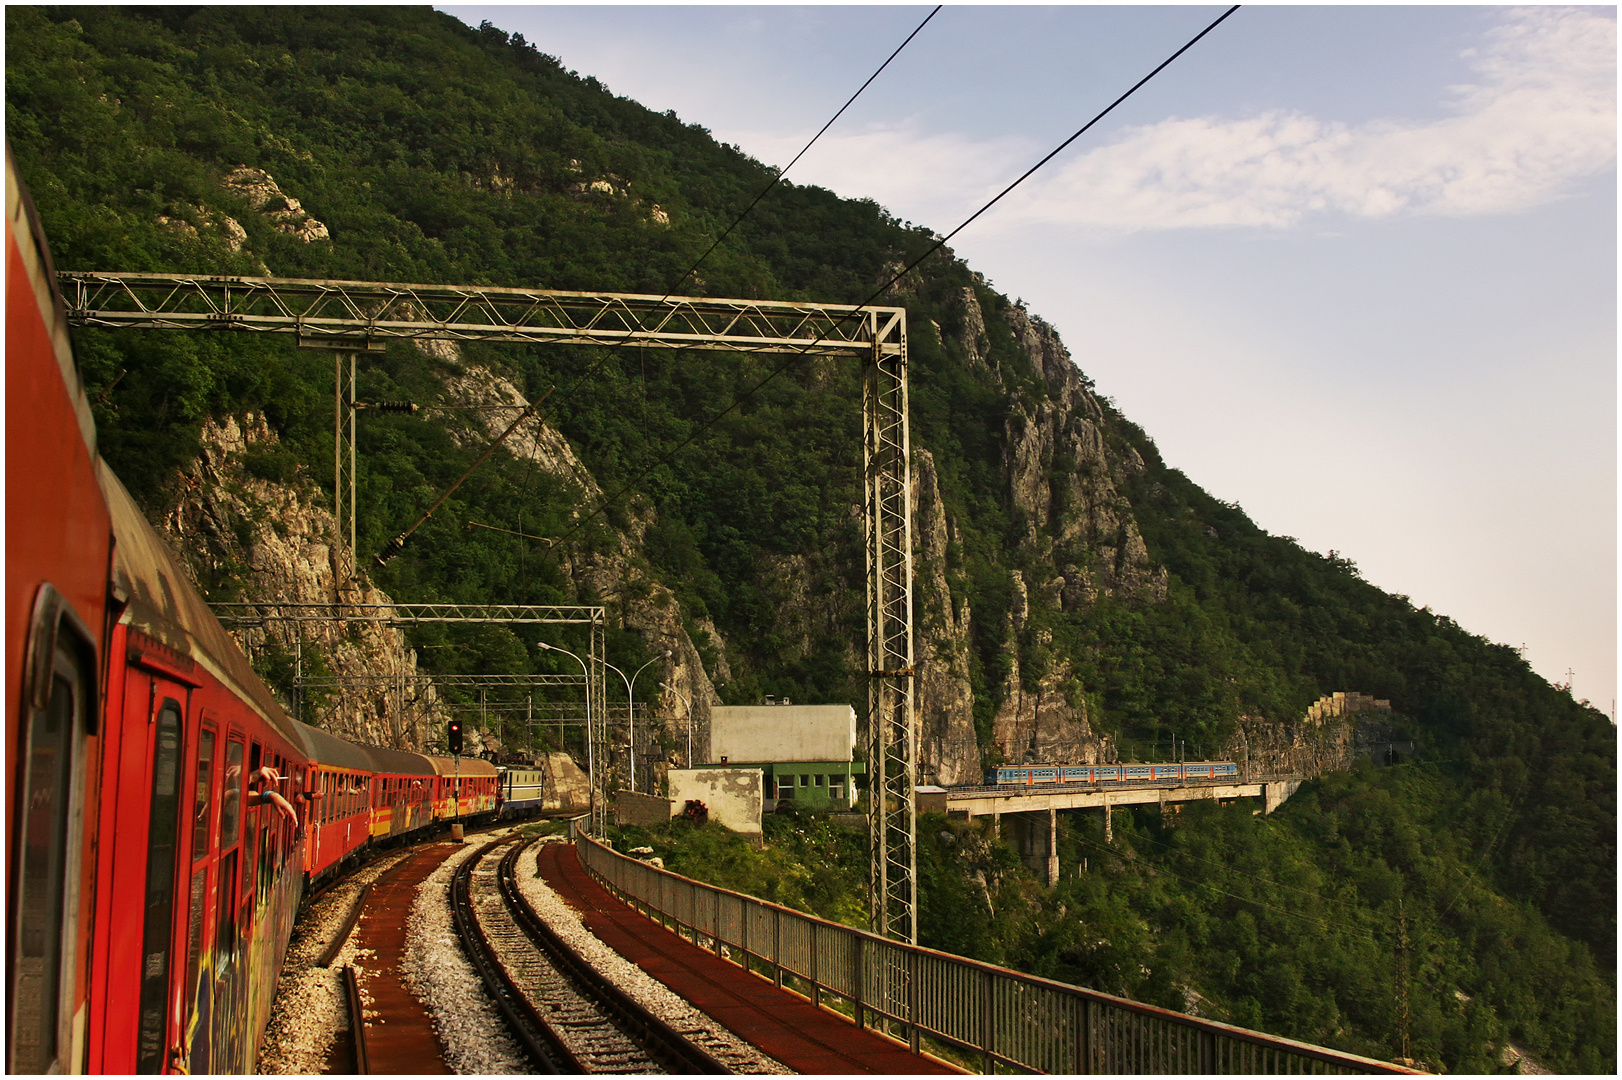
point(1079, 598)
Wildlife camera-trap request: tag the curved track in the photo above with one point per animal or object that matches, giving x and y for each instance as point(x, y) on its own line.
point(568, 1017)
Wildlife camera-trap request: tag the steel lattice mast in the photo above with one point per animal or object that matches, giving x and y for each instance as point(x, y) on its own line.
point(351, 316)
point(892, 735)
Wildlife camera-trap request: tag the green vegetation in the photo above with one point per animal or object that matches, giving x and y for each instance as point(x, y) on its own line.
point(437, 153)
point(806, 863)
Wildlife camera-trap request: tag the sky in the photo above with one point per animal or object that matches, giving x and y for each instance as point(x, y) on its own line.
point(1352, 268)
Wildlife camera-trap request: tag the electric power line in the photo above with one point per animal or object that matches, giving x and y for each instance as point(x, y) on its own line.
point(898, 276)
point(784, 170)
point(671, 289)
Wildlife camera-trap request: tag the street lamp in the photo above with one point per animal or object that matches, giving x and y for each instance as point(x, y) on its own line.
point(630, 705)
point(591, 750)
point(688, 705)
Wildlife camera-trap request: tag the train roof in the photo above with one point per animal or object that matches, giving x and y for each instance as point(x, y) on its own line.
point(400, 762)
point(468, 766)
point(161, 603)
point(325, 748)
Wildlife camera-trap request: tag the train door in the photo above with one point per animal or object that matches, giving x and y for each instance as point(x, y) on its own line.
point(44, 953)
point(194, 997)
point(228, 1005)
point(140, 801)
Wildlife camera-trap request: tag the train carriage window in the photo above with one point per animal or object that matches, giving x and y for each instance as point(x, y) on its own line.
point(202, 801)
point(41, 953)
point(162, 835)
point(231, 796)
point(202, 808)
point(225, 923)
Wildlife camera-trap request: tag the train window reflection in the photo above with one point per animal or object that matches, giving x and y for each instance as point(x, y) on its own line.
point(231, 796)
point(202, 801)
point(38, 955)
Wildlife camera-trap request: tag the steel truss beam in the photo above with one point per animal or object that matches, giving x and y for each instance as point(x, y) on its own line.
point(257, 613)
point(363, 315)
point(401, 614)
point(361, 312)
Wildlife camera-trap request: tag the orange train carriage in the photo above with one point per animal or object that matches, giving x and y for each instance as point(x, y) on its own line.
point(164, 815)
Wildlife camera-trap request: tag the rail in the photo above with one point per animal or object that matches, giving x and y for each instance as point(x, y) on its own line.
point(971, 1013)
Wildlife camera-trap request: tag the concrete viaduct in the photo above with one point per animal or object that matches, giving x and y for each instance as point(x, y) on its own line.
point(1028, 808)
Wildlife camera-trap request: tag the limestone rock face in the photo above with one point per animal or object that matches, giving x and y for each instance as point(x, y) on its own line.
point(265, 196)
point(616, 577)
point(1042, 725)
point(1336, 731)
point(948, 752)
point(271, 535)
point(1062, 479)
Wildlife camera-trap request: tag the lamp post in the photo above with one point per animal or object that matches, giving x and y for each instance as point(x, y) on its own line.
point(630, 703)
point(687, 705)
point(591, 750)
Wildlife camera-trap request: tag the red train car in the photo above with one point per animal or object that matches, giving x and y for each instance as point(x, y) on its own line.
point(164, 815)
point(58, 547)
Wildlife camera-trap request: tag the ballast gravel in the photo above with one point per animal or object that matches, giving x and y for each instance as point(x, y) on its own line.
point(309, 1010)
point(649, 992)
point(470, 1029)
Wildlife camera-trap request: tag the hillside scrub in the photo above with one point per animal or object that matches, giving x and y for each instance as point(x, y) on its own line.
point(1100, 578)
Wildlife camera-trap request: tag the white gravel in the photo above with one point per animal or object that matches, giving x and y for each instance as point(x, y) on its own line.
point(649, 992)
point(309, 1010)
point(470, 1029)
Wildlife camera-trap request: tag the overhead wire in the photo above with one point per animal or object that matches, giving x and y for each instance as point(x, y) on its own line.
point(784, 170)
point(882, 289)
point(670, 290)
point(777, 178)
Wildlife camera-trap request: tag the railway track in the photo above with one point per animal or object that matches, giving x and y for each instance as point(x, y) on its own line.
point(568, 1017)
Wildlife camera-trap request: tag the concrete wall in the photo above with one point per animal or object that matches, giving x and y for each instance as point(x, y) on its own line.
point(782, 733)
point(732, 796)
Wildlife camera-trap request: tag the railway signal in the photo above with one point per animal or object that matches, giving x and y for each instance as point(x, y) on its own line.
point(453, 736)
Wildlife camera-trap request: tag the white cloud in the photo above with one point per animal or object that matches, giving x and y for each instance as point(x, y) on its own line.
point(929, 178)
point(1540, 115)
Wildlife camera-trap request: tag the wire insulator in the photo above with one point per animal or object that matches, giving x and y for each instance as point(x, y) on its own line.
point(389, 406)
point(390, 550)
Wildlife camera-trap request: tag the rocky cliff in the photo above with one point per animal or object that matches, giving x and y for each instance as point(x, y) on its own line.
point(250, 519)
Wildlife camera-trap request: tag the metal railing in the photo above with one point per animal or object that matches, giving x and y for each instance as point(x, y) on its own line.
point(972, 1014)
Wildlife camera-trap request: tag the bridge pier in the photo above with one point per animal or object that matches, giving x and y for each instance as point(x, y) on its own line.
point(1038, 845)
point(1275, 792)
point(1053, 847)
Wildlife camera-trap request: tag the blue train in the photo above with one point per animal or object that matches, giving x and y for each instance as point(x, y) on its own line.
point(1110, 774)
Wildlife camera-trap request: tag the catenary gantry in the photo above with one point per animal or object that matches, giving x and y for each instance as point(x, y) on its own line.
point(349, 316)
